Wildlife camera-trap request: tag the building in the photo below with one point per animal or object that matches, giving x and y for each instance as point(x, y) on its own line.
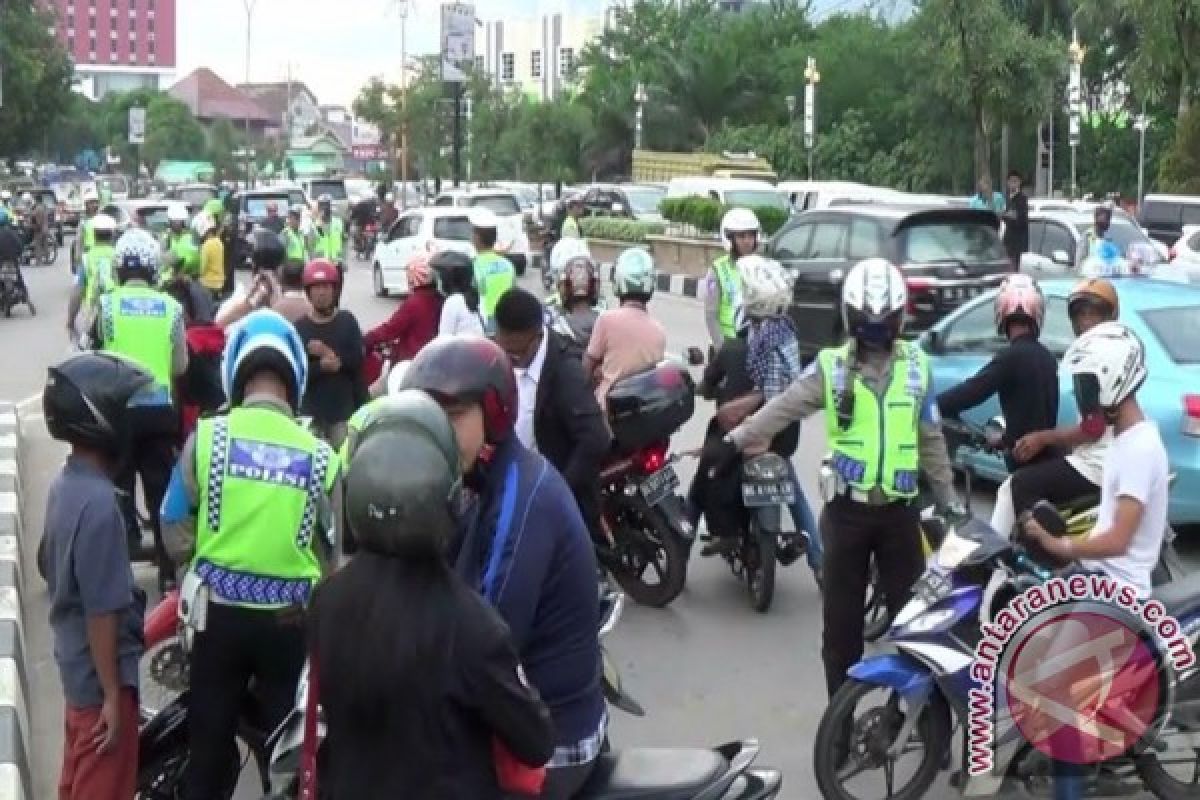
point(535, 55)
point(338, 121)
point(117, 45)
point(209, 98)
point(291, 103)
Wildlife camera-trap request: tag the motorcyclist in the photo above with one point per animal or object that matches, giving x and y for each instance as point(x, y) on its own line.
point(328, 237)
point(181, 256)
point(455, 663)
point(494, 274)
point(1079, 473)
point(573, 311)
point(38, 220)
point(1024, 374)
point(1100, 231)
point(266, 257)
point(876, 455)
point(525, 547)
point(252, 495)
point(388, 212)
point(94, 279)
point(626, 339)
point(740, 231)
point(147, 326)
point(455, 277)
point(570, 226)
point(273, 222)
point(293, 238)
point(414, 324)
point(11, 245)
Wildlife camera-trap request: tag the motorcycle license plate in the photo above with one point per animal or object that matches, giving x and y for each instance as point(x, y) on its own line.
point(932, 586)
point(658, 486)
point(756, 495)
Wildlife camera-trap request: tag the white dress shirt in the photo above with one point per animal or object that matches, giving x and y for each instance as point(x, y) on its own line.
point(527, 385)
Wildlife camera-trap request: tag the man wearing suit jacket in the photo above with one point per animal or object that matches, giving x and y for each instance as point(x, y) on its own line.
point(557, 413)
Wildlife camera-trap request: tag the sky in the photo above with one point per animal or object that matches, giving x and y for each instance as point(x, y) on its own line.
point(335, 46)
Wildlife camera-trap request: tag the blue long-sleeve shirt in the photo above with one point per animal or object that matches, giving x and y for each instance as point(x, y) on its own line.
point(526, 548)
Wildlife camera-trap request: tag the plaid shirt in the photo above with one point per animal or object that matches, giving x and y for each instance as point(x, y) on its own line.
point(783, 366)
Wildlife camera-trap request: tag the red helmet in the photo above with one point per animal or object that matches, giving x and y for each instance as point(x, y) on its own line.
point(473, 369)
point(321, 270)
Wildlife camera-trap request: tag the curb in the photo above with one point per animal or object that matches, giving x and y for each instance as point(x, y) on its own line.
point(15, 735)
point(683, 285)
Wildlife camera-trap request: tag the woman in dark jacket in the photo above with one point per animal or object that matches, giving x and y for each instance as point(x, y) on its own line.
point(418, 676)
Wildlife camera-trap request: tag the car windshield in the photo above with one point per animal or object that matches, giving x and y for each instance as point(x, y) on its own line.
point(154, 218)
point(756, 198)
point(335, 189)
point(646, 200)
point(1177, 330)
point(968, 242)
point(455, 229)
point(115, 184)
point(1125, 236)
point(256, 205)
point(197, 195)
point(503, 204)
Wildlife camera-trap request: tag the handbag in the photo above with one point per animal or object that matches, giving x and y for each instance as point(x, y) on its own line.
point(513, 776)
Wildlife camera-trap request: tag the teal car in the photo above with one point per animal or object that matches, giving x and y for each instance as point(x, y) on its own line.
point(1167, 318)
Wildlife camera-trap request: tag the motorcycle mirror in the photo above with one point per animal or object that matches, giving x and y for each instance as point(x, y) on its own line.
point(695, 357)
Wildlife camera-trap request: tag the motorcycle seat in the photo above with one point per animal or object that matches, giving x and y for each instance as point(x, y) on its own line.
point(653, 774)
point(1179, 597)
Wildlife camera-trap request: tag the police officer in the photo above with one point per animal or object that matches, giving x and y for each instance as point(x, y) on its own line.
point(252, 493)
point(494, 274)
point(722, 285)
point(882, 425)
point(570, 226)
point(94, 279)
point(293, 239)
point(85, 238)
point(146, 326)
point(328, 234)
point(181, 256)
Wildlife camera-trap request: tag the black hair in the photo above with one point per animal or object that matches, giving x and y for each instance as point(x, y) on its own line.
point(518, 311)
point(179, 290)
point(487, 237)
point(291, 276)
point(637, 297)
point(462, 281)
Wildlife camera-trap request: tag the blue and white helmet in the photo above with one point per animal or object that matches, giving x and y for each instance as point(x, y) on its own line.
point(264, 339)
point(634, 273)
point(137, 249)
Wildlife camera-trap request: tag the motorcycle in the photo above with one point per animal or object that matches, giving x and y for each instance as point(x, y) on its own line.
point(648, 537)
point(927, 684)
point(364, 241)
point(49, 250)
point(13, 291)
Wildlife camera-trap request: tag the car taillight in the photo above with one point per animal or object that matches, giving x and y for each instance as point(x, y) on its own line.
point(915, 285)
point(652, 458)
point(1191, 415)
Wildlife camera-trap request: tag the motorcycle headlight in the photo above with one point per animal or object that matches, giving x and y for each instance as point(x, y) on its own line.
point(954, 550)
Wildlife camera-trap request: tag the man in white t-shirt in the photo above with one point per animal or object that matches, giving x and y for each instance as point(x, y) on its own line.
point(1108, 366)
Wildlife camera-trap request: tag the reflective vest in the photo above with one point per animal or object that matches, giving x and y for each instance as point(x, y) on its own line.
point(138, 322)
point(294, 243)
point(570, 229)
point(88, 236)
point(263, 480)
point(183, 246)
point(494, 275)
point(879, 447)
point(98, 274)
point(730, 281)
point(332, 244)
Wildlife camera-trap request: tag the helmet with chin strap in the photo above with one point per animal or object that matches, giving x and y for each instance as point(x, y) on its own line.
point(469, 369)
point(874, 298)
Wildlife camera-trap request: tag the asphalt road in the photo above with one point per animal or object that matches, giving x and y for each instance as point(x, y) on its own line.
point(707, 670)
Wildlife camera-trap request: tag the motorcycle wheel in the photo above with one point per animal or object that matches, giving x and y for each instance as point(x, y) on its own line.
point(869, 736)
point(164, 674)
point(51, 254)
point(648, 548)
point(758, 556)
point(1160, 782)
point(162, 778)
point(875, 613)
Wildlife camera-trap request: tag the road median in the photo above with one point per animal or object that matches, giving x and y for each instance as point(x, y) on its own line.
point(15, 736)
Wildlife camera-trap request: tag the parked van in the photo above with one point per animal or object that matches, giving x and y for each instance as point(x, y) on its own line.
point(729, 191)
point(1164, 215)
point(813, 195)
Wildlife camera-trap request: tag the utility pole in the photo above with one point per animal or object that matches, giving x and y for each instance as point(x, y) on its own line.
point(249, 6)
point(458, 96)
point(403, 7)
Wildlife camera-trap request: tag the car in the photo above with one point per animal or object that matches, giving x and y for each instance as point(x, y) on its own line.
point(113, 187)
point(430, 229)
point(511, 241)
point(153, 214)
point(630, 200)
point(335, 188)
point(193, 195)
point(1184, 266)
point(1164, 215)
point(730, 191)
point(948, 255)
point(1056, 241)
point(1164, 315)
point(252, 210)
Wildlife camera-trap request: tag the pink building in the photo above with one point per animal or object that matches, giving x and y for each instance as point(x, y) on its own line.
point(117, 45)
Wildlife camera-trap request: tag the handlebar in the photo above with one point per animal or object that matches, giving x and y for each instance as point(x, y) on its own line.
point(975, 436)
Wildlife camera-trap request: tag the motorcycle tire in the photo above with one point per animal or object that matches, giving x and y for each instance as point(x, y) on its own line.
point(51, 254)
point(875, 614)
point(162, 777)
point(672, 576)
point(1159, 782)
point(933, 728)
point(758, 556)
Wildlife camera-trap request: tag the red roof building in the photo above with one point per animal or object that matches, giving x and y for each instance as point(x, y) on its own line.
point(211, 98)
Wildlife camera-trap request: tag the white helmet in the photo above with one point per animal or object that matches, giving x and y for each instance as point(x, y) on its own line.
point(566, 250)
point(137, 249)
point(177, 212)
point(389, 198)
point(395, 378)
point(738, 220)
point(90, 195)
point(103, 223)
point(766, 287)
point(1107, 364)
point(26, 197)
point(634, 273)
point(202, 223)
point(483, 218)
point(874, 297)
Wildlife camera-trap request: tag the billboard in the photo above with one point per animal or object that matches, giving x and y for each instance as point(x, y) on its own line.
point(458, 40)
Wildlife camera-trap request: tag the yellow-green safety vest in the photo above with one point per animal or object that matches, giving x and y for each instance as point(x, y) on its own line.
point(138, 322)
point(263, 483)
point(730, 281)
point(183, 246)
point(294, 244)
point(880, 446)
point(88, 236)
point(494, 275)
point(570, 229)
point(333, 243)
point(98, 273)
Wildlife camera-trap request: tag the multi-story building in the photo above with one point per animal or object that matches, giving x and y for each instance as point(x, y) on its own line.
point(117, 45)
point(536, 55)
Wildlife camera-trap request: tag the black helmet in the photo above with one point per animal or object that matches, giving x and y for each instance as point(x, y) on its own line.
point(452, 270)
point(269, 250)
point(472, 369)
point(403, 478)
point(86, 396)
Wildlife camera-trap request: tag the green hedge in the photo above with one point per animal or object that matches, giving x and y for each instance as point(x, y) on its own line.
point(620, 230)
point(704, 214)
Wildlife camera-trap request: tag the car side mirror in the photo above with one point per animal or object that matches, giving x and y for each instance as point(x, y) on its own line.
point(695, 356)
point(1061, 257)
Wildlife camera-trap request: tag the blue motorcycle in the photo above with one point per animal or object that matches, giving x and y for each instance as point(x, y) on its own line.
point(893, 720)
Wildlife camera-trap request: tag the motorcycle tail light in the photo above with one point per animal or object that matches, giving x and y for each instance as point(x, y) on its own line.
point(1191, 415)
point(652, 458)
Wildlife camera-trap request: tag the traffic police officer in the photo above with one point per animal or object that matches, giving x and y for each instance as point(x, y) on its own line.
point(494, 274)
point(181, 256)
point(93, 279)
point(293, 239)
point(723, 285)
point(882, 425)
point(329, 236)
point(86, 236)
point(146, 326)
point(253, 493)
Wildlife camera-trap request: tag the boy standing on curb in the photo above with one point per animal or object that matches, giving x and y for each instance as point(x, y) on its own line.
point(95, 607)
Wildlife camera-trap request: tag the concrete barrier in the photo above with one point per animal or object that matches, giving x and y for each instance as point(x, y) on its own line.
point(15, 735)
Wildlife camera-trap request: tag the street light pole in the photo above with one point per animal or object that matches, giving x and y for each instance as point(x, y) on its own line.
point(639, 97)
point(811, 78)
point(1075, 100)
point(1141, 125)
point(403, 8)
point(249, 6)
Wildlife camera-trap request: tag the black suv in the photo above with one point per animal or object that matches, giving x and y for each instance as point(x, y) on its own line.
point(947, 255)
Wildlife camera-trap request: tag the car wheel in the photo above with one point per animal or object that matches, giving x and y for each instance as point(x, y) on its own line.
point(377, 279)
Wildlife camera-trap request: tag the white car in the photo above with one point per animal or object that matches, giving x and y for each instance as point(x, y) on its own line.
point(1185, 257)
point(511, 240)
point(419, 229)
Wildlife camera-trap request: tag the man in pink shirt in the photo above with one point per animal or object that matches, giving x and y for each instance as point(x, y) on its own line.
point(626, 339)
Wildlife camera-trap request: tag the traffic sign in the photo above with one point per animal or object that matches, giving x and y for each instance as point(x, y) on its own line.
point(137, 126)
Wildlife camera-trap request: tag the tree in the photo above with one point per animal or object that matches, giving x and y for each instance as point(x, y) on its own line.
point(171, 130)
point(223, 141)
point(37, 77)
point(1179, 170)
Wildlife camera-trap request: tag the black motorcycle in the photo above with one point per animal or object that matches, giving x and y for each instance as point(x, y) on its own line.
point(13, 291)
